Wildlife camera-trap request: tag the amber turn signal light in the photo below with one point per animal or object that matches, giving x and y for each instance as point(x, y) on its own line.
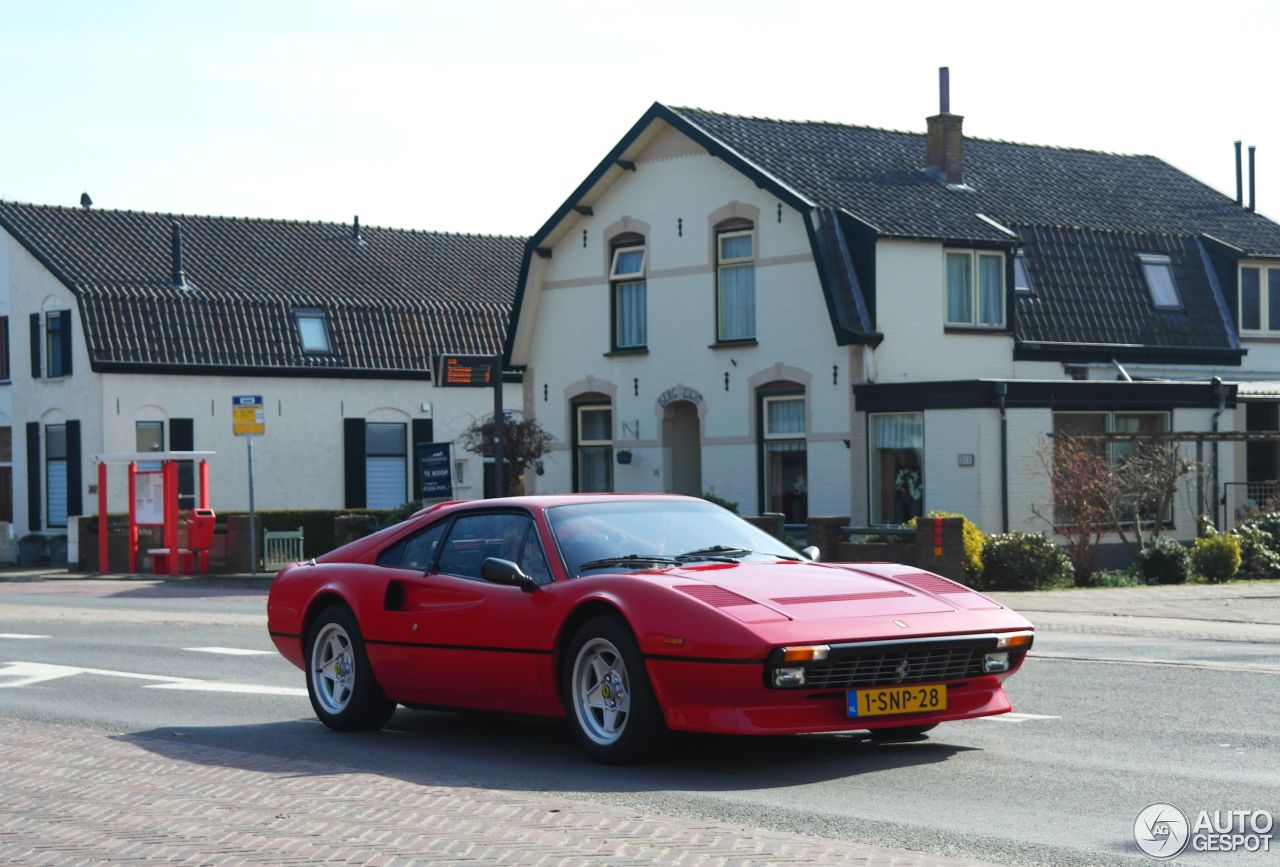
point(805, 653)
point(1017, 641)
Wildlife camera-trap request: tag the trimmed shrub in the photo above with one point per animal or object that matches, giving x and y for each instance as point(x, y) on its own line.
point(1216, 557)
point(1023, 561)
point(721, 502)
point(973, 540)
point(1260, 545)
point(1164, 561)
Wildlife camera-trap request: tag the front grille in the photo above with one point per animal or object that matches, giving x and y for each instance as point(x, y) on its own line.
point(884, 666)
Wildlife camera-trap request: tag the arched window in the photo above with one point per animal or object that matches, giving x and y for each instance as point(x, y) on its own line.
point(735, 281)
point(628, 291)
point(784, 473)
point(592, 443)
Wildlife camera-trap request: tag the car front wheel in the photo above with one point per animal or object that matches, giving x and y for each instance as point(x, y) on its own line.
point(340, 682)
point(613, 712)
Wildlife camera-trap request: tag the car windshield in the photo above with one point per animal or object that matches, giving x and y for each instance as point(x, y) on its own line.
point(624, 533)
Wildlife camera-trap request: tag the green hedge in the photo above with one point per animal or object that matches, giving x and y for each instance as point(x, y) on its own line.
point(1164, 561)
point(316, 524)
point(1023, 561)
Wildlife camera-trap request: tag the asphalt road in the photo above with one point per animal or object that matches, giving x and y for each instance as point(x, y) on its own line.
point(1095, 739)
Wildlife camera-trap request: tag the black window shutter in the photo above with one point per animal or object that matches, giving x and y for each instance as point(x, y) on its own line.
point(65, 316)
point(35, 345)
point(353, 461)
point(422, 432)
point(34, 510)
point(182, 438)
point(75, 487)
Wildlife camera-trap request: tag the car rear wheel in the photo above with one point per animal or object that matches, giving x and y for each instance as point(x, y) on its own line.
point(613, 712)
point(901, 733)
point(340, 682)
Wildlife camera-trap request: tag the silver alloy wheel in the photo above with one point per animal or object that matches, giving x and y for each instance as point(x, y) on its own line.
point(601, 691)
point(333, 668)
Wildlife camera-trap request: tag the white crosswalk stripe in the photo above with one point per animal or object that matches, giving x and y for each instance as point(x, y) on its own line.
point(20, 635)
point(230, 651)
point(1018, 717)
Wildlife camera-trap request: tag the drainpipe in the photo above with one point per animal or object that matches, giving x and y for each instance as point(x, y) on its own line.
point(1220, 392)
point(1002, 392)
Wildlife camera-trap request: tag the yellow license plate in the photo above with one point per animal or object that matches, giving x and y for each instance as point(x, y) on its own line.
point(896, 699)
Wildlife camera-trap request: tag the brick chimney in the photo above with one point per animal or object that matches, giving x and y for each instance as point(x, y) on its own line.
point(945, 151)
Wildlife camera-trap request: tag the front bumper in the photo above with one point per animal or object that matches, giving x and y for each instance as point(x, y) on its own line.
point(732, 699)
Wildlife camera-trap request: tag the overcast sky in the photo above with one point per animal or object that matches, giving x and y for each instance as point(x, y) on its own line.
point(482, 116)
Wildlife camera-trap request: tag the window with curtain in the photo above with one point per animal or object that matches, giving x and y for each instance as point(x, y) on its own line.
point(385, 465)
point(55, 473)
point(626, 276)
point(1259, 300)
point(593, 448)
point(735, 284)
point(975, 289)
point(897, 467)
point(786, 460)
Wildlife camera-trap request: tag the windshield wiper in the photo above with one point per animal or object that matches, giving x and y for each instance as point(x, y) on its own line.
point(629, 560)
point(717, 553)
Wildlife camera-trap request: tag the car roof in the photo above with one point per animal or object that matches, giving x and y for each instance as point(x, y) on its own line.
point(540, 502)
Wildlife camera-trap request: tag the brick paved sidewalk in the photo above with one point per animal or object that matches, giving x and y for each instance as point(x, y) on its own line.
point(69, 796)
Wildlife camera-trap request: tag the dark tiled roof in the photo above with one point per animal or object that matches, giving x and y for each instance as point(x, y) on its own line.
point(1088, 287)
point(389, 301)
point(877, 175)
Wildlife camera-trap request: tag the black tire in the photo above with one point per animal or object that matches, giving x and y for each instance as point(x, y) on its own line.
point(901, 733)
point(340, 682)
point(605, 730)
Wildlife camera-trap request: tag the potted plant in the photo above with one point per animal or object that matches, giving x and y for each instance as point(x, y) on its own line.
point(31, 550)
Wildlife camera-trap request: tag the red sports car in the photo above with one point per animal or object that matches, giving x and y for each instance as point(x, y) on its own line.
point(635, 616)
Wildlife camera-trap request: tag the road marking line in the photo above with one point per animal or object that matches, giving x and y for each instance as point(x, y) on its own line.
point(230, 651)
point(20, 635)
point(1015, 717)
point(28, 673)
point(1258, 668)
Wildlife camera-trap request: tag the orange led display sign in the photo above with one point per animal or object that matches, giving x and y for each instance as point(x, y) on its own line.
point(466, 371)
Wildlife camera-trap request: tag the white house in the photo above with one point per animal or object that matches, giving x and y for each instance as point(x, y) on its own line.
point(130, 331)
point(816, 318)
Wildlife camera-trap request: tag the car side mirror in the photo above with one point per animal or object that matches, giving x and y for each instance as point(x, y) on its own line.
point(811, 552)
point(498, 571)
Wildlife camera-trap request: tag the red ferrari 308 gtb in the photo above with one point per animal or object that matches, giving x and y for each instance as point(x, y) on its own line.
point(635, 616)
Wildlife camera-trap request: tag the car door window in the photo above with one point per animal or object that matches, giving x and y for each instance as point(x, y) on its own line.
point(415, 551)
point(475, 537)
point(533, 561)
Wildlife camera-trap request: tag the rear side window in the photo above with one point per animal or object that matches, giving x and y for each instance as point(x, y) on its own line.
point(476, 537)
point(415, 551)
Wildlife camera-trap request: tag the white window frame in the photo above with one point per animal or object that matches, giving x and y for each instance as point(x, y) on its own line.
point(594, 407)
point(460, 477)
point(784, 435)
point(629, 276)
point(581, 443)
point(138, 426)
point(975, 290)
point(1264, 305)
point(49, 462)
point(313, 315)
point(872, 487)
point(1159, 260)
point(723, 262)
point(1109, 416)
